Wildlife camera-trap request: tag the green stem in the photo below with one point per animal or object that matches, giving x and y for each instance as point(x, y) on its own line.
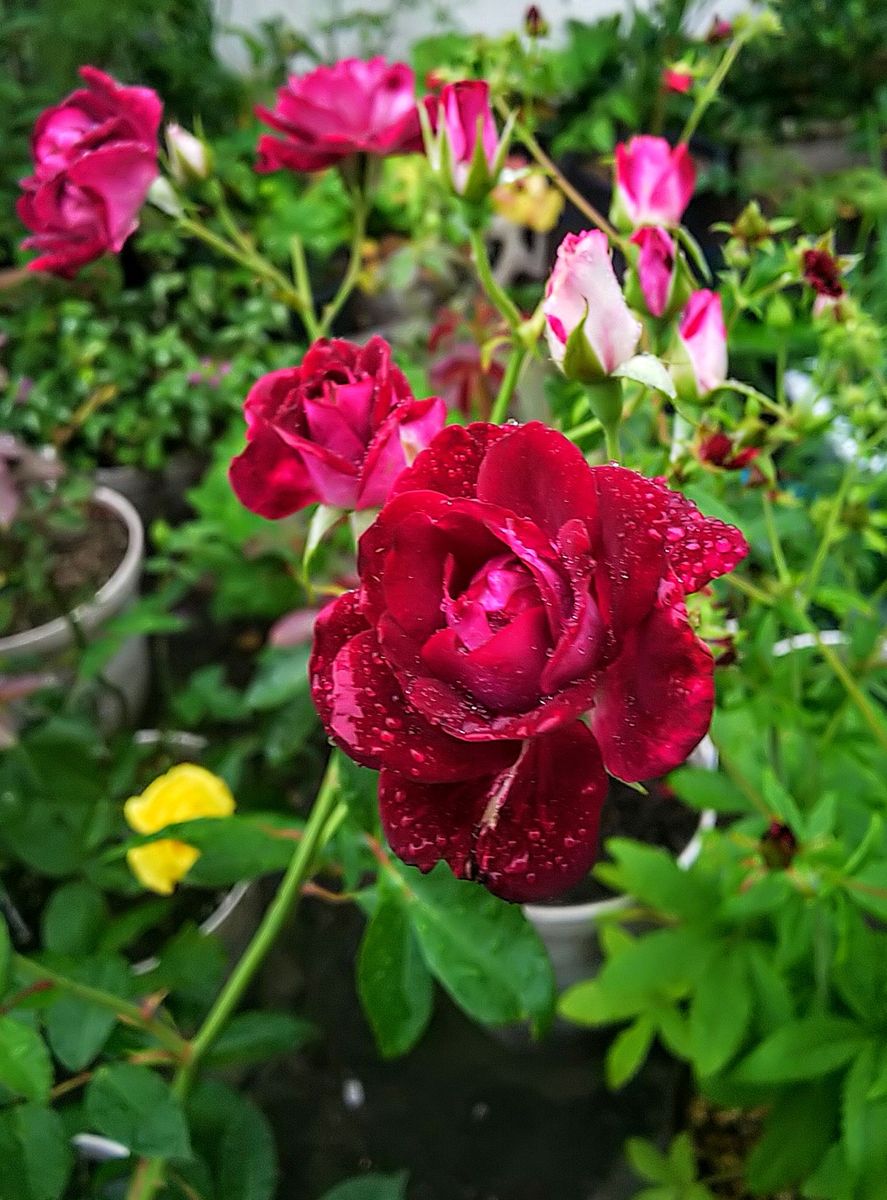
point(822, 549)
point(712, 88)
point(303, 287)
point(851, 687)
point(323, 821)
point(346, 287)
point(580, 431)
point(496, 294)
point(782, 570)
point(126, 1012)
point(251, 259)
point(611, 438)
point(509, 382)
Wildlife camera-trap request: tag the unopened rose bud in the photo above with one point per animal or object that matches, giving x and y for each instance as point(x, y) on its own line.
point(778, 846)
point(534, 22)
point(700, 357)
point(462, 143)
point(190, 159)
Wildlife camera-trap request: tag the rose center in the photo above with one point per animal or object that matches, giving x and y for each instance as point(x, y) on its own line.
point(498, 592)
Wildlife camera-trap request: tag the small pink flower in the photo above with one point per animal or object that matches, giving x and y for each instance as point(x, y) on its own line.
point(95, 157)
point(703, 336)
point(654, 182)
point(657, 260)
point(583, 293)
point(354, 107)
point(676, 80)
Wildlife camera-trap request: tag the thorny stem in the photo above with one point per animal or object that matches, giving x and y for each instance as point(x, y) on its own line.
point(322, 823)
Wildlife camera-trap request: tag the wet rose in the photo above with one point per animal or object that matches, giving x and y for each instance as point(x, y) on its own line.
point(519, 630)
point(337, 429)
point(588, 325)
point(356, 106)
point(654, 182)
point(95, 157)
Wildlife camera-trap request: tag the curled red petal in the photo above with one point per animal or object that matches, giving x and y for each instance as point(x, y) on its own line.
point(335, 625)
point(656, 699)
point(370, 719)
point(535, 472)
point(529, 832)
point(698, 548)
point(450, 465)
point(268, 478)
point(628, 543)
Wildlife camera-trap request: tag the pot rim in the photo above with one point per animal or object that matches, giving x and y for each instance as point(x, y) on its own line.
point(566, 917)
point(112, 591)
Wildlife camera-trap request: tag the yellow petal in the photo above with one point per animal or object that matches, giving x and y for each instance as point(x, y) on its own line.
point(159, 866)
point(184, 793)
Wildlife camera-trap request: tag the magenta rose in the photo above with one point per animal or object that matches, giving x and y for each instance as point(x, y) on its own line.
point(338, 429)
point(702, 338)
point(654, 181)
point(354, 107)
point(95, 157)
point(519, 631)
point(657, 263)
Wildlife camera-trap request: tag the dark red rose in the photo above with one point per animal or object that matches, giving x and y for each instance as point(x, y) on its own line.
point(778, 846)
point(353, 107)
point(338, 429)
point(823, 272)
point(520, 629)
point(717, 449)
point(95, 156)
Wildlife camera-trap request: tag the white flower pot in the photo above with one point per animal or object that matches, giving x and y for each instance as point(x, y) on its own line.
point(569, 931)
point(49, 644)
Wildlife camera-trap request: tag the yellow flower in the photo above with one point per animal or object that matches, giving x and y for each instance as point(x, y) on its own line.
point(527, 198)
point(184, 793)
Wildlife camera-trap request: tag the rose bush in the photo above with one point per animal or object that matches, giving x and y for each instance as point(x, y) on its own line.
point(354, 107)
point(95, 157)
point(507, 589)
point(337, 429)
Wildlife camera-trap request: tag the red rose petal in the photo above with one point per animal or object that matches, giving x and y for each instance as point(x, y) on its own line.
point(370, 719)
point(656, 699)
point(450, 465)
point(335, 625)
point(529, 832)
point(698, 548)
point(267, 478)
point(628, 543)
point(535, 472)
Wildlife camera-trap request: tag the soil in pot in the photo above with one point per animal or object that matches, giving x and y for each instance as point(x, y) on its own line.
point(84, 558)
point(724, 1138)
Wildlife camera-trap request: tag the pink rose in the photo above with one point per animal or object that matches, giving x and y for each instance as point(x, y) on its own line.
point(703, 337)
point(589, 327)
point(654, 182)
point(95, 156)
point(338, 429)
point(354, 107)
point(656, 267)
point(676, 80)
point(466, 149)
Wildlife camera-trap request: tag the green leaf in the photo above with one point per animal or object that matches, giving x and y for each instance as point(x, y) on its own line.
point(74, 919)
point(868, 889)
point(652, 876)
point(708, 789)
point(25, 1066)
point(797, 1133)
point(662, 963)
point(256, 1036)
point(237, 1159)
point(628, 1051)
point(76, 1030)
point(370, 1187)
point(392, 979)
point(648, 370)
point(682, 1159)
point(805, 1049)
point(720, 1009)
point(323, 519)
point(282, 676)
point(855, 1101)
point(647, 1161)
point(35, 1158)
point(231, 848)
point(483, 951)
point(780, 802)
point(5, 956)
point(134, 1106)
point(588, 1003)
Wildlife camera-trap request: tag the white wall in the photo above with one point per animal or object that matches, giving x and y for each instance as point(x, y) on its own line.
point(417, 18)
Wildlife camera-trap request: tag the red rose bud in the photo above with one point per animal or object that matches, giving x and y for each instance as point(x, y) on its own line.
point(656, 281)
point(338, 429)
point(719, 31)
point(718, 451)
point(95, 157)
point(822, 271)
point(700, 358)
point(535, 24)
point(778, 846)
point(331, 113)
point(654, 182)
point(676, 80)
point(520, 630)
point(462, 144)
point(588, 325)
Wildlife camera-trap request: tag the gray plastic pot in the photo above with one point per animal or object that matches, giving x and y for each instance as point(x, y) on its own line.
point(49, 644)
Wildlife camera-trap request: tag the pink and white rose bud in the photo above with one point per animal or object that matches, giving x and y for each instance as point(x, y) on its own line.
point(656, 281)
point(589, 327)
point(654, 182)
point(190, 159)
point(703, 339)
point(463, 145)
